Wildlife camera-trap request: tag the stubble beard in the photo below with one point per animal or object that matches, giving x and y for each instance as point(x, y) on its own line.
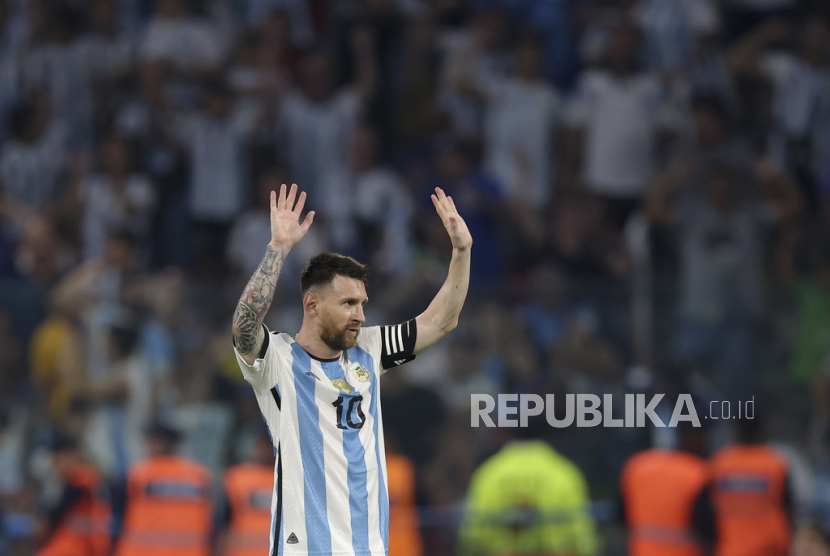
point(336, 338)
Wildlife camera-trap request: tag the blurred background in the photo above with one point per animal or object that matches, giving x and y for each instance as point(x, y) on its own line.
point(647, 183)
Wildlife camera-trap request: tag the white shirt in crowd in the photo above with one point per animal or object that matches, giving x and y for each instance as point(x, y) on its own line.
point(376, 197)
point(801, 104)
point(30, 172)
point(671, 26)
point(189, 43)
point(621, 118)
point(315, 135)
point(455, 47)
point(217, 161)
point(108, 208)
point(520, 129)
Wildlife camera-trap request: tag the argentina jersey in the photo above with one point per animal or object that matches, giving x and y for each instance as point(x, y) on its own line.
point(330, 485)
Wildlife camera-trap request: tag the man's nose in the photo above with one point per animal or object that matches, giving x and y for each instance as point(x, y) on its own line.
point(358, 315)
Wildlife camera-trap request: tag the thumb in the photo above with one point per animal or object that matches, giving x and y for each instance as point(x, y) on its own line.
point(309, 218)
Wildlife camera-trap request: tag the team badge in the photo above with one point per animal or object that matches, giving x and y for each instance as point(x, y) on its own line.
point(360, 372)
point(343, 386)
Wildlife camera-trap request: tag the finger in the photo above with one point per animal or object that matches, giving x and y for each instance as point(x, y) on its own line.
point(438, 206)
point(292, 196)
point(452, 203)
point(281, 201)
point(273, 202)
point(298, 210)
point(309, 218)
point(441, 198)
point(440, 209)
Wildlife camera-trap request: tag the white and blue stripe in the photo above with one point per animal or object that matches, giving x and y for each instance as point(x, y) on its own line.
point(331, 489)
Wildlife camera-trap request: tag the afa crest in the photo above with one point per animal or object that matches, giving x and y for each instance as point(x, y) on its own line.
point(343, 386)
point(360, 372)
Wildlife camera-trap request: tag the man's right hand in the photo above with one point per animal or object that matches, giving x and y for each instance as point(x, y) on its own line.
point(286, 229)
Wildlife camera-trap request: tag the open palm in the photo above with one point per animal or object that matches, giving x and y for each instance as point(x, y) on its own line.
point(454, 224)
point(286, 228)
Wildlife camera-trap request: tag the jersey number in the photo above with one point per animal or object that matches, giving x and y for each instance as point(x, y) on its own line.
point(350, 424)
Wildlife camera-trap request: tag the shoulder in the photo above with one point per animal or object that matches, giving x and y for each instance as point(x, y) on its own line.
point(234, 473)
point(194, 469)
point(369, 339)
point(637, 460)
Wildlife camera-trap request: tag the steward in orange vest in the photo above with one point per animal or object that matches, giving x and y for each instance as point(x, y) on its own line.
point(404, 532)
point(750, 493)
point(249, 488)
point(79, 524)
point(666, 505)
point(169, 510)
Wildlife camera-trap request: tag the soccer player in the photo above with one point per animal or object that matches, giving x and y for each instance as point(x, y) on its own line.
point(318, 391)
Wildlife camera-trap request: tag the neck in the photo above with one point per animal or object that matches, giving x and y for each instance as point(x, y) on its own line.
point(309, 339)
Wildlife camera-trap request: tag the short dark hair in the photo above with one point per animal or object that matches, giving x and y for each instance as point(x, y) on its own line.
point(322, 269)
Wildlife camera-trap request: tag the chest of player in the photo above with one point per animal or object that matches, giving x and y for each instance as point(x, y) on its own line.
point(340, 391)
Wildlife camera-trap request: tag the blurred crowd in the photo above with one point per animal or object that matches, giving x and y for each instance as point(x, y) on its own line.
point(647, 183)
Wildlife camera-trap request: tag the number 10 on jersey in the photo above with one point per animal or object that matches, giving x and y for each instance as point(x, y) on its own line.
point(354, 417)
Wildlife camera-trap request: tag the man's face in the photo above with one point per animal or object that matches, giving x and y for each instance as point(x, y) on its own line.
point(340, 310)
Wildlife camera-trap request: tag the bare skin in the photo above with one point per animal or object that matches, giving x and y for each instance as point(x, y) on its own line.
point(333, 313)
point(286, 231)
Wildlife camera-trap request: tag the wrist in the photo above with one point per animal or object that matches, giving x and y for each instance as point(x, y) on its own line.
point(280, 246)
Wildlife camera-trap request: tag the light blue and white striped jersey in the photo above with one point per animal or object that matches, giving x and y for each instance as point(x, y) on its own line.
point(330, 485)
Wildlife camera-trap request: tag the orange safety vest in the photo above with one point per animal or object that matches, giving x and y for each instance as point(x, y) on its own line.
point(84, 530)
point(404, 532)
point(169, 510)
point(249, 488)
point(659, 489)
point(748, 485)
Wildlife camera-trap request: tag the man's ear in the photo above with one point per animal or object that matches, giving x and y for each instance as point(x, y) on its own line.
point(310, 303)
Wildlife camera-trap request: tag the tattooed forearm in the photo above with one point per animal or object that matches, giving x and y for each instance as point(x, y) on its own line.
point(256, 300)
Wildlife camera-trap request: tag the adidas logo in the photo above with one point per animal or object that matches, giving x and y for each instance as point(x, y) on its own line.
point(399, 361)
point(309, 373)
point(292, 539)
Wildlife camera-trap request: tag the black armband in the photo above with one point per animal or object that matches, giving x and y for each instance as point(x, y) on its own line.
point(397, 343)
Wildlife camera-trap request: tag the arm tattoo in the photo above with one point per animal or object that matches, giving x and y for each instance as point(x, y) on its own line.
point(256, 300)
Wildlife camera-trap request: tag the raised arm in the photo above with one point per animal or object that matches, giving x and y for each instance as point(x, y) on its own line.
point(442, 314)
point(286, 231)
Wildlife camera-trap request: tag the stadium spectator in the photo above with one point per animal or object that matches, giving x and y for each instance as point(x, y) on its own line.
point(520, 126)
point(79, 522)
point(169, 508)
point(32, 162)
point(528, 499)
point(722, 272)
point(246, 520)
point(751, 493)
point(368, 208)
point(666, 503)
point(315, 121)
point(116, 198)
point(800, 80)
point(617, 118)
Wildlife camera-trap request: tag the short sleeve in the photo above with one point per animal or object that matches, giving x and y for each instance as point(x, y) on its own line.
point(263, 374)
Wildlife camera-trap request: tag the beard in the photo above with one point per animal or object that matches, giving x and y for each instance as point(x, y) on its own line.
point(338, 339)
